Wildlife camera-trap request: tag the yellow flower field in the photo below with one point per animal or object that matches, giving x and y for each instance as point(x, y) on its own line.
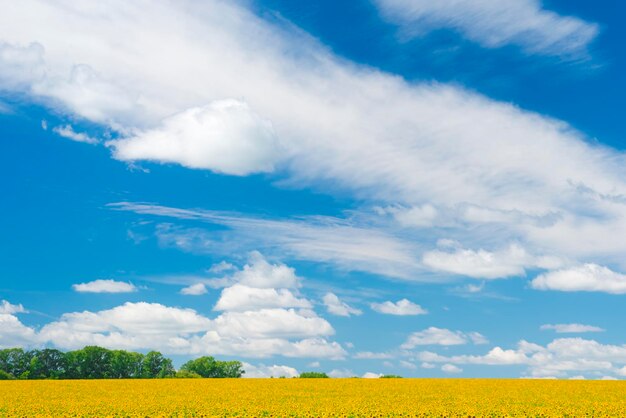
point(312, 398)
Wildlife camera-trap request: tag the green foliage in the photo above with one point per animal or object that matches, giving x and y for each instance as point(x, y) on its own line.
point(186, 374)
point(313, 375)
point(15, 361)
point(209, 367)
point(390, 376)
point(94, 362)
point(48, 364)
point(6, 376)
point(156, 366)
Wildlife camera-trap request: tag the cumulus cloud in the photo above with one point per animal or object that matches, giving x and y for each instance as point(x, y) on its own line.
point(563, 357)
point(143, 326)
point(224, 136)
point(66, 131)
point(371, 375)
point(451, 368)
point(104, 286)
point(584, 278)
point(571, 328)
point(401, 307)
point(13, 333)
point(196, 289)
point(264, 371)
point(482, 264)
point(8, 308)
point(336, 307)
point(339, 373)
point(441, 336)
point(242, 298)
point(493, 23)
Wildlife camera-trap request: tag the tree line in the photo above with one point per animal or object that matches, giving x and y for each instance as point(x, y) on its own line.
point(94, 362)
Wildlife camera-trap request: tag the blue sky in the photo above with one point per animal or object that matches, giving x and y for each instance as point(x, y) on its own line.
point(364, 187)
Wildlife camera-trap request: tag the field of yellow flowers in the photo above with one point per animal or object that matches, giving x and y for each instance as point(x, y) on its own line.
point(312, 398)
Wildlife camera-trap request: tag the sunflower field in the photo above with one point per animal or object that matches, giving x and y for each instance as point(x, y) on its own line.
point(312, 398)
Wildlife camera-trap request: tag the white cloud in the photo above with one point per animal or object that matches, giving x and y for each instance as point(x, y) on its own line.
point(243, 298)
point(369, 355)
point(282, 323)
point(585, 278)
point(371, 375)
point(224, 136)
point(66, 131)
point(7, 308)
point(493, 23)
point(401, 307)
point(426, 365)
point(20, 66)
point(571, 328)
point(440, 148)
point(264, 371)
point(144, 326)
point(261, 274)
point(196, 289)
point(336, 307)
point(15, 334)
point(559, 358)
point(481, 264)
point(451, 368)
point(321, 239)
point(104, 286)
point(340, 373)
point(441, 336)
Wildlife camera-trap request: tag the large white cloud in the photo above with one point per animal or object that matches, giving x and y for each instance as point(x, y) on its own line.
point(495, 23)
point(225, 136)
point(585, 278)
point(436, 147)
point(15, 334)
point(143, 326)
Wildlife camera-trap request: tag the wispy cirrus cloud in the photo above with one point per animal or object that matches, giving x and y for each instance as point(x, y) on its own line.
point(487, 171)
point(324, 239)
point(493, 23)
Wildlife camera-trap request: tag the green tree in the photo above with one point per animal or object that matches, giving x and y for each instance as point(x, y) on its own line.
point(313, 375)
point(6, 376)
point(156, 366)
point(204, 366)
point(210, 368)
point(390, 376)
point(48, 364)
point(231, 369)
point(126, 364)
point(186, 374)
point(91, 362)
point(16, 362)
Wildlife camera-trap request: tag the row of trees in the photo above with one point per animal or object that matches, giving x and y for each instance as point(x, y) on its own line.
point(100, 363)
